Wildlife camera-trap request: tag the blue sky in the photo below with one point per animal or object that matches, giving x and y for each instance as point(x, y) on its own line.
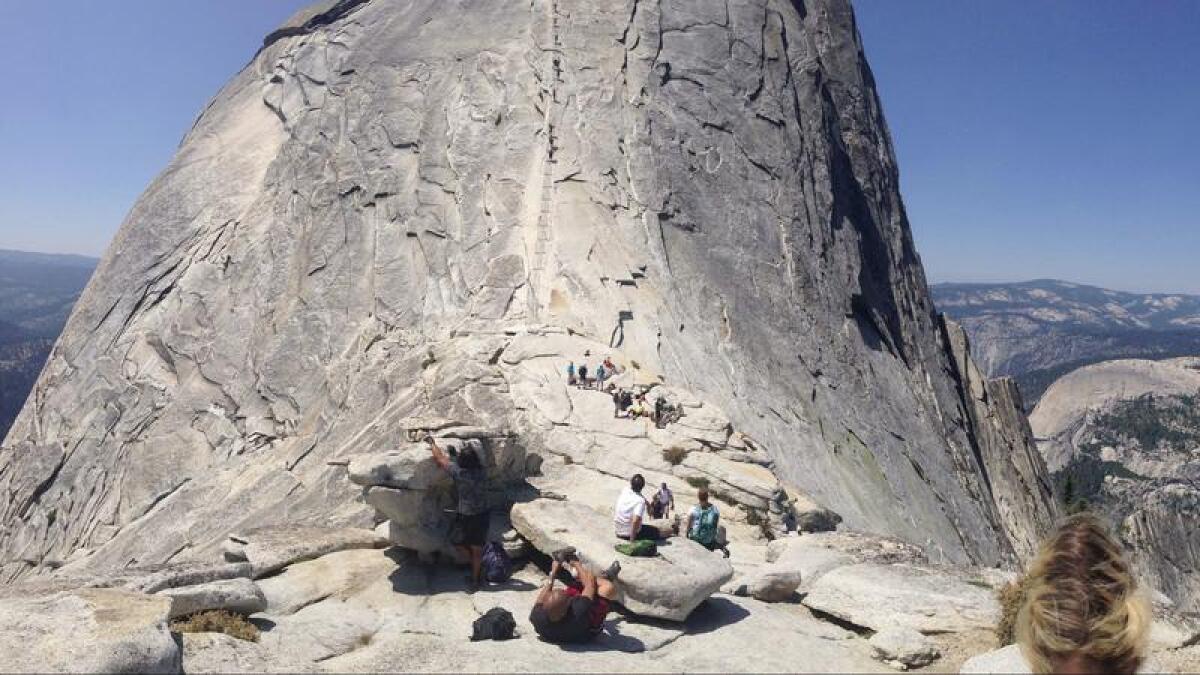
point(1035, 139)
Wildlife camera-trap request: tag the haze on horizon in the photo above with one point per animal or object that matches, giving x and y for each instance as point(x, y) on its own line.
point(1029, 147)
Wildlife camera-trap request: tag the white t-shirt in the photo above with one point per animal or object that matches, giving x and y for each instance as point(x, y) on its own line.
point(629, 505)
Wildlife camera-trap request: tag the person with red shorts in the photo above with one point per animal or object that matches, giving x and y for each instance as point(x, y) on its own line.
point(576, 613)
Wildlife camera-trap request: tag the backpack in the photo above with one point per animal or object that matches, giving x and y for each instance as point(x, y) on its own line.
point(640, 548)
point(497, 566)
point(705, 531)
point(496, 624)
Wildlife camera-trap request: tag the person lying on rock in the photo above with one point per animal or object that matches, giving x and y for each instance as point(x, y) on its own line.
point(472, 517)
point(630, 513)
point(703, 524)
point(576, 613)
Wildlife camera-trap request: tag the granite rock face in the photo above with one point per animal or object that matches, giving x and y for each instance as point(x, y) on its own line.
point(90, 630)
point(901, 596)
point(408, 215)
point(1122, 436)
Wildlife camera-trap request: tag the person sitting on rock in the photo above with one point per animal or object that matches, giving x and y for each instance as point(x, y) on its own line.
point(626, 401)
point(571, 373)
point(472, 516)
point(1082, 611)
point(703, 524)
point(575, 614)
point(662, 503)
point(630, 513)
point(617, 396)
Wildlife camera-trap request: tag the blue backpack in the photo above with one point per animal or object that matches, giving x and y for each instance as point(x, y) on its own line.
point(497, 567)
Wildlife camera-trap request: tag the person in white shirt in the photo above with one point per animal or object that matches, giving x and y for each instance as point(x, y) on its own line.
point(630, 513)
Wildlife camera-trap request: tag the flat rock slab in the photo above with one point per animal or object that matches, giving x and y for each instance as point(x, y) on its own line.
point(89, 630)
point(668, 586)
point(902, 596)
point(241, 596)
point(272, 549)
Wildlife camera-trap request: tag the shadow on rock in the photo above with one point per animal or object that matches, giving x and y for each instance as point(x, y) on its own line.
point(609, 640)
point(714, 614)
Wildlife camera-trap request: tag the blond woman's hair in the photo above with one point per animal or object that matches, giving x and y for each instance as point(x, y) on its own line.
point(1082, 600)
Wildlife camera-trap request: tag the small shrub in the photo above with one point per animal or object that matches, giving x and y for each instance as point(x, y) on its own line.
point(217, 621)
point(697, 481)
point(674, 454)
point(1011, 597)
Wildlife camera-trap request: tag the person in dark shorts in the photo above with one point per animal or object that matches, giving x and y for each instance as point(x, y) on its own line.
point(576, 613)
point(472, 517)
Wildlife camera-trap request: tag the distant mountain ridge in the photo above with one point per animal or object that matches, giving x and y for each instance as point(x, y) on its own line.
point(1035, 331)
point(37, 292)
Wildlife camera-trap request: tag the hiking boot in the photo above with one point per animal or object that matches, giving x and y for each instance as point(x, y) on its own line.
point(611, 573)
point(563, 555)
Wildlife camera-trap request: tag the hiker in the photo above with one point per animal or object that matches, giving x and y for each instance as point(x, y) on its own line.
point(571, 373)
point(576, 613)
point(662, 503)
point(583, 372)
point(471, 518)
point(660, 405)
point(626, 401)
point(703, 524)
point(617, 395)
point(639, 407)
point(1083, 612)
point(629, 515)
point(609, 365)
point(601, 375)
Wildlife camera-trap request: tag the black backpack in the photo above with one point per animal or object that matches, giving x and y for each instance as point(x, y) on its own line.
point(496, 624)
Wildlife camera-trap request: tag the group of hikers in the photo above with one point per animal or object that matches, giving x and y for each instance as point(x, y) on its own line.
point(583, 377)
point(1081, 612)
point(626, 402)
point(578, 611)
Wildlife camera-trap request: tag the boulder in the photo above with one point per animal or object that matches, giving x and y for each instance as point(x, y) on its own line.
point(418, 520)
point(189, 574)
point(334, 575)
point(270, 549)
point(668, 586)
point(810, 563)
point(769, 583)
point(88, 630)
point(811, 516)
point(241, 596)
point(884, 596)
point(1004, 660)
point(904, 648)
point(411, 468)
point(417, 497)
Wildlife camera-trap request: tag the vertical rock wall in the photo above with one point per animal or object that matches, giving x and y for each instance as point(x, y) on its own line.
point(390, 187)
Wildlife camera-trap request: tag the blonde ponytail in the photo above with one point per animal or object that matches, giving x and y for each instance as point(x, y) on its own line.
point(1083, 601)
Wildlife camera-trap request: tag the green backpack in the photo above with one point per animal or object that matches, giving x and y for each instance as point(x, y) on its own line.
point(705, 531)
point(640, 548)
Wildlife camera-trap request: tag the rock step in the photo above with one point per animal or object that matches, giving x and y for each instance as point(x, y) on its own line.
point(668, 586)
